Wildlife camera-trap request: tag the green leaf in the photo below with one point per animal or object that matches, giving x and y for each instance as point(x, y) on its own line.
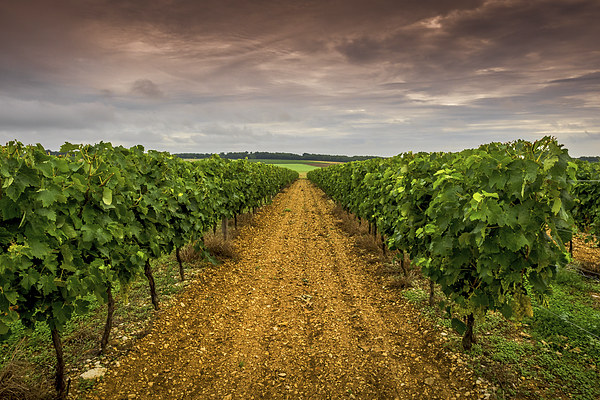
point(11, 296)
point(47, 284)
point(538, 282)
point(5, 235)
point(506, 311)
point(16, 187)
point(47, 197)
point(47, 212)
point(46, 169)
point(29, 279)
point(487, 194)
point(67, 255)
point(39, 249)
point(107, 196)
point(7, 182)
point(481, 299)
point(69, 231)
point(9, 209)
point(89, 232)
point(3, 328)
point(82, 306)
point(68, 147)
point(59, 313)
point(557, 205)
point(458, 326)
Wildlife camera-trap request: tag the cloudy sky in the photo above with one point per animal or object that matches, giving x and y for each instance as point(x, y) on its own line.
point(373, 77)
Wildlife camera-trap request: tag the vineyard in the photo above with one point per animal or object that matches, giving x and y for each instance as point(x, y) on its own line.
point(80, 223)
point(489, 228)
point(487, 225)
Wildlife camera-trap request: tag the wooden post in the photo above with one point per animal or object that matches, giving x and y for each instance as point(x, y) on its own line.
point(571, 247)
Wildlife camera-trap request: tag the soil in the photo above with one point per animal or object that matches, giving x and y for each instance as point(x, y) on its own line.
point(588, 255)
point(299, 314)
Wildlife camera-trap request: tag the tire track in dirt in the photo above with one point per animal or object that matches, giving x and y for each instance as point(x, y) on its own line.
point(299, 315)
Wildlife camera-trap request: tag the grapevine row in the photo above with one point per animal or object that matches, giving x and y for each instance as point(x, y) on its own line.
point(489, 225)
point(82, 222)
point(587, 193)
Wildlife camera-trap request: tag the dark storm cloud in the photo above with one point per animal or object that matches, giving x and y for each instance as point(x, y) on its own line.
point(146, 88)
point(336, 76)
point(509, 34)
point(591, 82)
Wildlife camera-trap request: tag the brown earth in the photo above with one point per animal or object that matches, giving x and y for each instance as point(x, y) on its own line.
point(587, 254)
point(299, 315)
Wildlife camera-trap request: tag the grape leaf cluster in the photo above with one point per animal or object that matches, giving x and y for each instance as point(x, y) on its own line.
point(78, 223)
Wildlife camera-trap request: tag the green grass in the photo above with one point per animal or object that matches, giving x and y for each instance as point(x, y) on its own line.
point(300, 166)
point(303, 162)
point(553, 355)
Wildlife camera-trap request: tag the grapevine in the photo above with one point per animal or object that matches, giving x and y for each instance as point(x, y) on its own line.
point(94, 217)
point(489, 225)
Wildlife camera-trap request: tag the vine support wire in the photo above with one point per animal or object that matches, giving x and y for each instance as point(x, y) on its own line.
point(574, 324)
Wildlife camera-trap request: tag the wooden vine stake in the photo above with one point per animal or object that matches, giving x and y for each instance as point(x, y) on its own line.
point(571, 247)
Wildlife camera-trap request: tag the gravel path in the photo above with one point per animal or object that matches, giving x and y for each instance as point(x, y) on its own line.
point(299, 315)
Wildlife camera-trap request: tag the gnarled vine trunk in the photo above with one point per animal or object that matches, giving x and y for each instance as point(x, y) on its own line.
point(181, 272)
point(153, 295)
point(469, 337)
point(224, 228)
point(59, 379)
point(403, 264)
point(110, 310)
point(431, 292)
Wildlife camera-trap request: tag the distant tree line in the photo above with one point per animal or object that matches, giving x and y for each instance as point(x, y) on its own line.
point(264, 155)
point(590, 158)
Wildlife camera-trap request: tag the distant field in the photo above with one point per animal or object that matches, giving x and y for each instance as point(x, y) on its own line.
point(304, 162)
point(301, 166)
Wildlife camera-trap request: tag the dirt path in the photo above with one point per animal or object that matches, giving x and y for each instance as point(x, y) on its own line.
point(298, 316)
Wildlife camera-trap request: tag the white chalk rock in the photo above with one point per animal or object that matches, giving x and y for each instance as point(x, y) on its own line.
point(93, 373)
